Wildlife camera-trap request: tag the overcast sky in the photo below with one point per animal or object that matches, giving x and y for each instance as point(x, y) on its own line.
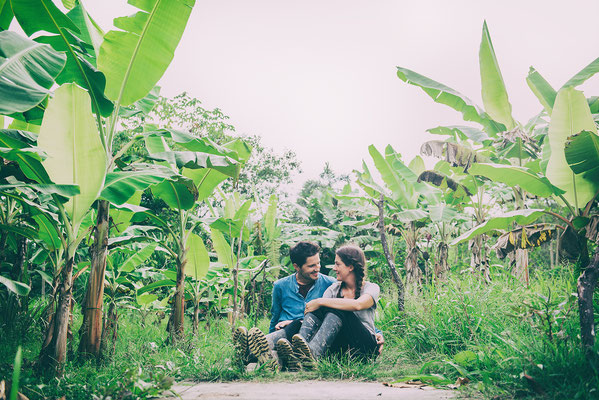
point(319, 77)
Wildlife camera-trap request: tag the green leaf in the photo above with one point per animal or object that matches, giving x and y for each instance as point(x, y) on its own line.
point(122, 217)
point(6, 15)
point(16, 375)
point(407, 216)
point(542, 89)
point(446, 95)
point(514, 176)
point(155, 285)
point(205, 179)
point(47, 188)
point(48, 231)
point(390, 177)
point(75, 154)
point(504, 222)
point(270, 216)
point(138, 258)
point(18, 288)
point(90, 31)
point(180, 195)
point(222, 248)
point(198, 260)
point(27, 72)
point(570, 116)
point(119, 186)
point(135, 58)
point(493, 90)
point(584, 74)
point(19, 230)
point(442, 213)
point(145, 299)
point(195, 160)
point(41, 15)
point(582, 155)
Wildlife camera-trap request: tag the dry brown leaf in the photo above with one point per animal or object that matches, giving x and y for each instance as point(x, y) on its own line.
point(406, 385)
point(21, 396)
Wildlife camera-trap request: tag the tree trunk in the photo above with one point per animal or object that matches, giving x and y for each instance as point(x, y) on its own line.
point(413, 272)
point(91, 329)
point(177, 328)
point(478, 259)
point(441, 266)
point(53, 357)
point(110, 332)
point(390, 263)
point(587, 281)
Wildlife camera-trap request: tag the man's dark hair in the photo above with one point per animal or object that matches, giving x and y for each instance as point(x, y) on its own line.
point(301, 251)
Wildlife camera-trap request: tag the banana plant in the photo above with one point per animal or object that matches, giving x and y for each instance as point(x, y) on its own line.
point(201, 166)
point(113, 70)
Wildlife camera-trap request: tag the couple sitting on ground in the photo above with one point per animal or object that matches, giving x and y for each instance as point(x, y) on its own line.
point(314, 313)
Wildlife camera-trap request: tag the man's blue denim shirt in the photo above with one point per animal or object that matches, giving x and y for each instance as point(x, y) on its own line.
point(288, 303)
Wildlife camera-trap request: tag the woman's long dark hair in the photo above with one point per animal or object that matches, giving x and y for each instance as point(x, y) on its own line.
point(354, 256)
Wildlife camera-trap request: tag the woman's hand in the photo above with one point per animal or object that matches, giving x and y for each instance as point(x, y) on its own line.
point(312, 306)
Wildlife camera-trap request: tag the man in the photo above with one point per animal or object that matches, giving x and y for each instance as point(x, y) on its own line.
point(289, 298)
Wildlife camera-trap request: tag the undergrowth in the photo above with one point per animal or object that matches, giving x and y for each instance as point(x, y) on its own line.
point(507, 340)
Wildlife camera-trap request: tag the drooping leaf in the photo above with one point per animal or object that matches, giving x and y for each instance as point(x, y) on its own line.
point(443, 181)
point(504, 222)
point(138, 258)
point(582, 155)
point(143, 106)
point(456, 154)
point(154, 285)
point(18, 288)
point(48, 231)
point(205, 179)
point(119, 186)
point(542, 89)
point(75, 153)
point(27, 72)
point(514, 176)
point(524, 237)
point(446, 95)
point(135, 57)
point(570, 116)
point(195, 160)
point(198, 260)
point(494, 94)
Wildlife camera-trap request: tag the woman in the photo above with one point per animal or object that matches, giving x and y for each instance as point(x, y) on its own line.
point(343, 319)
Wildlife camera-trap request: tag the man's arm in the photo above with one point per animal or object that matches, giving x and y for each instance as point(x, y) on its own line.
point(276, 307)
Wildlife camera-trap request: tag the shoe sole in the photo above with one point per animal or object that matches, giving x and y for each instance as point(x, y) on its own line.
point(302, 352)
point(287, 355)
point(259, 348)
point(240, 343)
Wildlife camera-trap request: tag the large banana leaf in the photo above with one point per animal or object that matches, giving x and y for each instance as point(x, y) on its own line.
point(121, 217)
point(90, 31)
point(205, 179)
point(48, 231)
point(119, 186)
point(222, 248)
point(584, 74)
point(135, 58)
point(570, 116)
point(179, 195)
point(504, 223)
point(138, 258)
point(43, 15)
point(75, 153)
point(582, 154)
point(493, 91)
point(6, 15)
point(542, 89)
point(446, 95)
point(16, 287)
point(390, 177)
point(198, 260)
point(27, 71)
point(513, 176)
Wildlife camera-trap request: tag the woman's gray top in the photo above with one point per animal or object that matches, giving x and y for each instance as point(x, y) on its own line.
point(366, 316)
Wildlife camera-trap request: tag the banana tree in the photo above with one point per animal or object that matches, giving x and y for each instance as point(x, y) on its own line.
point(571, 176)
point(201, 166)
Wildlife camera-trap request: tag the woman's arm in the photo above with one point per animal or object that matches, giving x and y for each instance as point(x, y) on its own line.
point(361, 303)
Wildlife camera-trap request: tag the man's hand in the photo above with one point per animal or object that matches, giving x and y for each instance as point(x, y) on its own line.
point(282, 324)
point(312, 306)
point(380, 341)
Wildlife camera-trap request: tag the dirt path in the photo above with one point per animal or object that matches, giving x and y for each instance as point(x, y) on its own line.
point(306, 390)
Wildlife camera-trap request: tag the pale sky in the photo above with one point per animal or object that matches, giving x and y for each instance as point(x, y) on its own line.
point(319, 77)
